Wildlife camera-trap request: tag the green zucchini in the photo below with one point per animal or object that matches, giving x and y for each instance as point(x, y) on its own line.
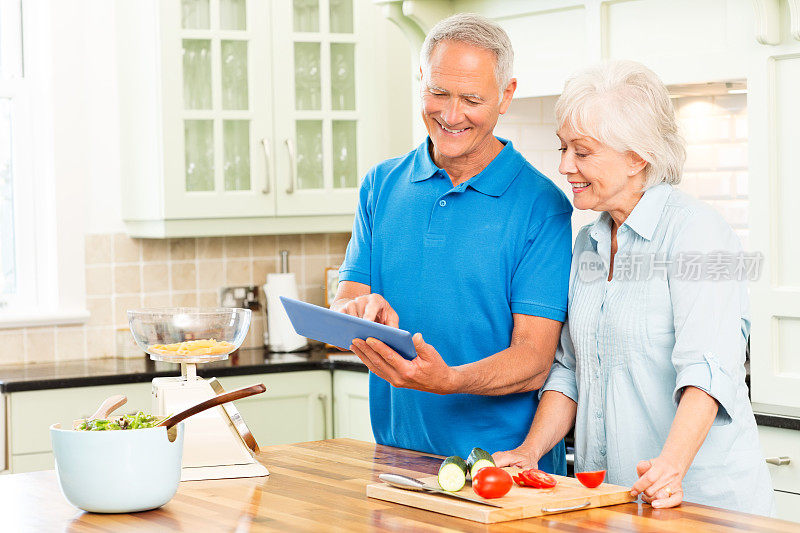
point(453, 474)
point(478, 459)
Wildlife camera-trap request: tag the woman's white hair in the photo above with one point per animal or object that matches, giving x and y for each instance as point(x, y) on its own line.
point(624, 105)
point(476, 30)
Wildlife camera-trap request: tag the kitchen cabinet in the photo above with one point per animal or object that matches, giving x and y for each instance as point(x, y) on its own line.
point(351, 405)
point(781, 449)
point(253, 117)
point(295, 408)
point(31, 413)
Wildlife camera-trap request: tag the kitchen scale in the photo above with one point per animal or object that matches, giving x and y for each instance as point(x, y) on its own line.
point(217, 442)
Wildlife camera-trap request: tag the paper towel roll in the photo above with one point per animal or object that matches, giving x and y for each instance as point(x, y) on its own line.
point(282, 337)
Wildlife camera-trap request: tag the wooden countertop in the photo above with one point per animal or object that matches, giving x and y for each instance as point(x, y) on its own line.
point(319, 486)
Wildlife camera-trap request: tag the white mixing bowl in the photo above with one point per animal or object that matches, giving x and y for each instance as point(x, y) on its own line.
point(119, 471)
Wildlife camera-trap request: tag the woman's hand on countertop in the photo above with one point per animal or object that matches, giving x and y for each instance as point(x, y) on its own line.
point(659, 482)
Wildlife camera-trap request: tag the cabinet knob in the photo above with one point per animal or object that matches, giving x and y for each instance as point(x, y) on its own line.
point(779, 461)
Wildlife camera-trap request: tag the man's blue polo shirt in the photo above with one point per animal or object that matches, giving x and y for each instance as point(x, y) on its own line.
point(456, 263)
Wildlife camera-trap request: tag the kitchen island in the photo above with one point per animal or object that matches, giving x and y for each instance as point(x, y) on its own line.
point(320, 486)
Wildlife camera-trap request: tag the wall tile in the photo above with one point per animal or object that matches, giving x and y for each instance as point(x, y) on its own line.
point(337, 243)
point(70, 343)
point(208, 299)
point(315, 270)
point(237, 272)
point(265, 246)
point(262, 267)
point(237, 246)
point(209, 248)
point(121, 306)
point(184, 277)
point(184, 299)
point(210, 274)
point(100, 342)
point(181, 249)
point(126, 250)
point(293, 243)
point(40, 345)
point(155, 277)
point(315, 244)
point(12, 347)
point(127, 279)
point(98, 281)
point(160, 299)
point(97, 249)
point(155, 249)
point(100, 311)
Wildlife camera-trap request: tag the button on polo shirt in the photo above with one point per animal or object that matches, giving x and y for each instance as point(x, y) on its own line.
point(456, 263)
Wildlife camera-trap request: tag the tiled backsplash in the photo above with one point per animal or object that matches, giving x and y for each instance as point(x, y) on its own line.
point(124, 273)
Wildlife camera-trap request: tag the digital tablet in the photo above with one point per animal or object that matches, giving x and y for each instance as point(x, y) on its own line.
point(339, 329)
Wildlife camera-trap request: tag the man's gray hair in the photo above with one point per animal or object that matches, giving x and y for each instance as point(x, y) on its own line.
point(624, 105)
point(478, 31)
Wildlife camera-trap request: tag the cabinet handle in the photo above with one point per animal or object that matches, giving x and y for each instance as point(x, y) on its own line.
point(322, 397)
point(292, 166)
point(267, 163)
point(779, 461)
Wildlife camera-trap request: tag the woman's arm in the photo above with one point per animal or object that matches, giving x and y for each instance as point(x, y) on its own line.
point(660, 478)
point(554, 418)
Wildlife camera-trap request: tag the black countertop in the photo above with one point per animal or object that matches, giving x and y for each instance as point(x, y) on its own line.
point(113, 371)
point(43, 376)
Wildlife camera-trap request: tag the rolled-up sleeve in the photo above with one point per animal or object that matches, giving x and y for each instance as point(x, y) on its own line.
point(710, 311)
point(562, 373)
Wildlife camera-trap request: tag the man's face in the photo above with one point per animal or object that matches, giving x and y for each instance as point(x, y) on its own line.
point(460, 98)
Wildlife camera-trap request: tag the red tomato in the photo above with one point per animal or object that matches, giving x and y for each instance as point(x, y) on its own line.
point(591, 479)
point(537, 479)
point(492, 482)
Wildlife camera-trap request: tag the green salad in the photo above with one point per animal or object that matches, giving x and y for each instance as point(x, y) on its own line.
point(137, 421)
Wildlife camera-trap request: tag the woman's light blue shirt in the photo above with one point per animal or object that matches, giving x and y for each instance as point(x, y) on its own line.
point(674, 315)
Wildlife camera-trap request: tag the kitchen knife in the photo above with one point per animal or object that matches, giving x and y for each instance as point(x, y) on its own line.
point(409, 483)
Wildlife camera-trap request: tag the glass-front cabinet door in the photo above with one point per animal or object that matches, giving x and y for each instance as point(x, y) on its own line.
point(217, 110)
point(318, 110)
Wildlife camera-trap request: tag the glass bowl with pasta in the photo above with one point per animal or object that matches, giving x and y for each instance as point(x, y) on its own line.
point(189, 334)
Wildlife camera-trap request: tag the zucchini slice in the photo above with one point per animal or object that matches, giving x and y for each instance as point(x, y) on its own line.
point(478, 459)
point(453, 474)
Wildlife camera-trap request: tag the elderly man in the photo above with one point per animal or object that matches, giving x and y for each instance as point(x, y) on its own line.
point(464, 240)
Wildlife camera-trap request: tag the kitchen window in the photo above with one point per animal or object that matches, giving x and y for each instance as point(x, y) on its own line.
point(38, 259)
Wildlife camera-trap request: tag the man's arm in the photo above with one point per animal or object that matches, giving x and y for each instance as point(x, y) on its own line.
point(521, 367)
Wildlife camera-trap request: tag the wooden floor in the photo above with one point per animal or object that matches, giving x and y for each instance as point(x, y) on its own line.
point(320, 486)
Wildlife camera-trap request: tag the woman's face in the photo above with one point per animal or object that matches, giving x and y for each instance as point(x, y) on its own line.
point(602, 179)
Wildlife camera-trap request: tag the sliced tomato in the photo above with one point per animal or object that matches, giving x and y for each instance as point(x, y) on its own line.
point(537, 479)
point(591, 479)
point(492, 482)
point(518, 481)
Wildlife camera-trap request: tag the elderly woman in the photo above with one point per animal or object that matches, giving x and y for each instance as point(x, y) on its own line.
point(650, 365)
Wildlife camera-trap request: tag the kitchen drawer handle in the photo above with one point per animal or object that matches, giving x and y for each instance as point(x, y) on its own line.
point(562, 509)
point(292, 166)
point(779, 461)
point(267, 163)
point(322, 397)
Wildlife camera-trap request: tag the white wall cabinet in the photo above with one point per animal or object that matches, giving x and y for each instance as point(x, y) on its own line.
point(351, 405)
point(253, 117)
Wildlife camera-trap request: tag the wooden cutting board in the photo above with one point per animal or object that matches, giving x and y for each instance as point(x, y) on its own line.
point(520, 502)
